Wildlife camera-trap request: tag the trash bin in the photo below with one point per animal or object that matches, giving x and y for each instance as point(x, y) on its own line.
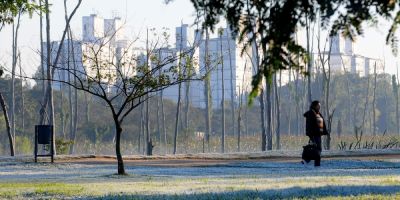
point(44, 136)
point(44, 133)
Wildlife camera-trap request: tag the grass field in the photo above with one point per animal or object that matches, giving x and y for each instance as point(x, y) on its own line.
point(336, 179)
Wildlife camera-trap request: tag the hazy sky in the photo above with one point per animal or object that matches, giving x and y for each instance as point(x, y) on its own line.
point(148, 13)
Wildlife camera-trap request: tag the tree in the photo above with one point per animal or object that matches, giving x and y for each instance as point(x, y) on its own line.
point(15, 30)
point(178, 103)
point(5, 113)
point(278, 21)
point(125, 81)
point(8, 11)
point(396, 96)
point(207, 93)
point(48, 100)
point(374, 103)
point(278, 110)
point(221, 58)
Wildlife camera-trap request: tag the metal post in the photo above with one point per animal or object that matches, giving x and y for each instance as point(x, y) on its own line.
point(52, 146)
point(36, 143)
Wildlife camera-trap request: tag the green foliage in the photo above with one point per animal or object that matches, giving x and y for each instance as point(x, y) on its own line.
point(272, 25)
point(62, 146)
point(10, 8)
point(24, 145)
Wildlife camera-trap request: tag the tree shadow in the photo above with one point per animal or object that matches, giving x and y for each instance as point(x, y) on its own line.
point(287, 193)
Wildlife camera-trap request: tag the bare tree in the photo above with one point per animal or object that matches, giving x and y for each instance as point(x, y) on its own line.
point(74, 113)
point(5, 113)
point(15, 30)
point(207, 93)
point(48, 97)
point(22, 96)
point(241, 95)
point(309, 63)
point(278, 109)
point(124, 82)
point(269, 114)
point(374, 103)
point(178, 104)
point(396, 96)
point(232, 77)
point(42, 48)
point(221, 61)
point(289, 113)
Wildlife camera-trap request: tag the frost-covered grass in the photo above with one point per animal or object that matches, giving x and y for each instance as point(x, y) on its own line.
point(336, 179)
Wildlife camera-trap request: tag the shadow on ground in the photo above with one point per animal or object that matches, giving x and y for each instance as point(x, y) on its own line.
point(390, 192)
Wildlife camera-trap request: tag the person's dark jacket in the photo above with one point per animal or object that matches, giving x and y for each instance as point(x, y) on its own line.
point(312, 128)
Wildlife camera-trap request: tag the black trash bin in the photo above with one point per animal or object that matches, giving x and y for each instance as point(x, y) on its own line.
point(44, 133)
point(44, 136)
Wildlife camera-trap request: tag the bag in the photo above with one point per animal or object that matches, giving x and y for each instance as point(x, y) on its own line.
point(310, 152)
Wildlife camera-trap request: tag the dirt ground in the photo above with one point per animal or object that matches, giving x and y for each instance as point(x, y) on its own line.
point(190, 162)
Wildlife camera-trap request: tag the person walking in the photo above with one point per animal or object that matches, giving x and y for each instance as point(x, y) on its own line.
point(315, 128)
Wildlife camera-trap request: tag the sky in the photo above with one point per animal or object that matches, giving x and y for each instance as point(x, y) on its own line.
point(140, 14)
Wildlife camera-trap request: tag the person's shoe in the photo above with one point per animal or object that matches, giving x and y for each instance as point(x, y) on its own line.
point(304, 162)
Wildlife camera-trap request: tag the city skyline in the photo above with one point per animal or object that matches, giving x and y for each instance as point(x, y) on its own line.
point(371, 44)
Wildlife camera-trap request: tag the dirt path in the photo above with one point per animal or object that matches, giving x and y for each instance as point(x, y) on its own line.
point(189, 162)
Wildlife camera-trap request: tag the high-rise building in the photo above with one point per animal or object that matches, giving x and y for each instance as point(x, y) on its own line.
point(343, 59)
point(102, 49)
point(92, 28)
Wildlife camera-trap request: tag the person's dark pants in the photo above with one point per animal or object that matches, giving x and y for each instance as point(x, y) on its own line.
point(317, 140)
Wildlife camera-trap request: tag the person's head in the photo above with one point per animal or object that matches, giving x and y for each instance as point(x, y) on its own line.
point(315, 105)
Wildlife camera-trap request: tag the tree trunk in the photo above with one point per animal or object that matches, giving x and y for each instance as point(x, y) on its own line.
point(207, 94)
point(327, 76)
point(41, 50)
point(365, 106)
point(75, 112)
point(396, 97)
point(49, 76)
point(374, 104)
point(239, 121)
point(290, 86)
point(164, 131)
point(10, 136)
point(263, 128)
point(278, 110)
point(223, 98)
point(87, 108)
point(269, 116)
point(22, 97)
point(13, 72)
point(228, 35)
point(71, 121)
point(121, 168)
point(297, 97)
point(62, 128)
point(141, 134)
point(177, 117)
point(309, 63)
point(158, 120)
point(396, 82)
point(48, 97)
point(149, 144)
point(187, 106)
